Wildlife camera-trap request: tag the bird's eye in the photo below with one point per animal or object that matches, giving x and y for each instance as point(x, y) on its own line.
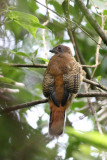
point(59, 48)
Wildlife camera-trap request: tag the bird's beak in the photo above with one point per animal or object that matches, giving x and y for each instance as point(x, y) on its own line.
point(53, 50)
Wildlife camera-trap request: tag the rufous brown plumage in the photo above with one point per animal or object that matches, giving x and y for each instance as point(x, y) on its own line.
point(61, 83)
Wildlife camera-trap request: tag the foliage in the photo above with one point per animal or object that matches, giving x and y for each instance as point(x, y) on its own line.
point(23, 133)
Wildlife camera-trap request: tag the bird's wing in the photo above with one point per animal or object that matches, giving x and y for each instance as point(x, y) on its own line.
point(48, 83)
point(73, 78)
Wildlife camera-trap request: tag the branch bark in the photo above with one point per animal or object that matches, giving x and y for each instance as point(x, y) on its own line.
point(92, 21)
point(29, 65)
point(95, 84)
point(62, 17)
point(45, 66)
point(30, 104)
point(23, 105)
point(71, 34)
point(83, 62)
point(91, 94)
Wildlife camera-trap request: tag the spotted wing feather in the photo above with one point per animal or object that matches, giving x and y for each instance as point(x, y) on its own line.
point(72, 79)
point(48, 84)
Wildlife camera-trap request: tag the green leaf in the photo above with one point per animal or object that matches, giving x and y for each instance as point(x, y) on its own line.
point(57, 5)
point(43, 59)
point(10, 81)
point(27, 21)
point(93, 138)
point(20, 53)
point(11, 7)
point(35, 53)
point(78, 104)
point(98, 78)
point(6, 80)
point(101, 4)
point(105, 12)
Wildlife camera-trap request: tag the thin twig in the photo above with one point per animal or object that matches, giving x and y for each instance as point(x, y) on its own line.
point(93, 112)
point(5, 22)
point(95, 117)
point(98, 47)
point(95, 84)
point(29, 65)
point(66, 19)
point(43, 33)
point(69, 27)
point(71, 33)
point(24, 105)
point(40, 65)
point(93, 94)
point(30, 104)
point(92, 21)
point(8, 90)
point(45, 66)
point(44, 40)
point(89, 66)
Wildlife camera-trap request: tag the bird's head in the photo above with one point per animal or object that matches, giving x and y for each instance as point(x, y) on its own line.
point(60, 49)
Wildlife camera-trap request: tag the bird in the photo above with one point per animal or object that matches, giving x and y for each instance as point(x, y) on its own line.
point(61, 83)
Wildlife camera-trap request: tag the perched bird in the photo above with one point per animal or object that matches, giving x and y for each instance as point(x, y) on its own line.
point(61, 83)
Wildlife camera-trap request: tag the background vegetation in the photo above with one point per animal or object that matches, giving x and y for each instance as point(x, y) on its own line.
point(28, 29)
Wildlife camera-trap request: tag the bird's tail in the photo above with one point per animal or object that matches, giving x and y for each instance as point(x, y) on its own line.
point(57, 118)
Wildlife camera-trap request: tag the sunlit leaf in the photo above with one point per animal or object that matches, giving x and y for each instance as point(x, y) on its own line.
point(21, 54)
point(35, 53)
point(57, 5)
point(6, 80)
point(98, 78)
point(105, 12)
point(10, 81)
point(27, 21)
point(93, 138)
point(78, 104)
point(45, 60)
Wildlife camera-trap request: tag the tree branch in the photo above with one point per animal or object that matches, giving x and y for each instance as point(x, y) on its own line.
point(30, 104)
point(93, 111)
point(91, 94)
point(95, 84)
point(83, 62)
point(98, 47)
point(62, 17)
point(45, 66)
point(92, 21)
point(23, 105)
point(29, 65)
point(43, 32)
point(95, 117)
point(71, 34)
point(65, 6)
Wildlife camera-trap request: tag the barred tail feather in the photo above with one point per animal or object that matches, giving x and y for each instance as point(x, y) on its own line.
point(56, 124)
point(57, 117)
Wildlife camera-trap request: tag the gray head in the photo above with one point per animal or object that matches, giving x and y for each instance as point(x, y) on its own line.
point(60, 49)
